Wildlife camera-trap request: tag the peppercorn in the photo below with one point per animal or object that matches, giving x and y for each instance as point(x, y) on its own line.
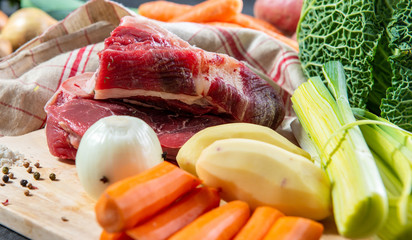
point(11, 175)
point(27, 193)
point(26, 164)
point(37, 164)
point(29, 186)
point(23, 182)
point(29, 170)
point(5, 170)
point(36, 175)
point(52, 176)
point(5, 178)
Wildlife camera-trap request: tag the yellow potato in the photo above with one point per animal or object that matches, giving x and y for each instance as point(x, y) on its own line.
point(262, 174)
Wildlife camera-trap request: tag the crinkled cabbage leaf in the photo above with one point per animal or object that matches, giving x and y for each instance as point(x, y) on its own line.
point(373, 40)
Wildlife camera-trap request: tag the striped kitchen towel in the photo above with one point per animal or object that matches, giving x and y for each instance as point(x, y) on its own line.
point(31, 75)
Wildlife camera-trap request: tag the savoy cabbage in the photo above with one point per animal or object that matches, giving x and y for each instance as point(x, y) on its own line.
point(373, 40)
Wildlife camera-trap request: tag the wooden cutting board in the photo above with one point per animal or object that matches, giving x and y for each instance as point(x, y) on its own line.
point(58, 209)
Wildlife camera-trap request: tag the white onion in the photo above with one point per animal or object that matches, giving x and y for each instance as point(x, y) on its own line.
point(114, 148)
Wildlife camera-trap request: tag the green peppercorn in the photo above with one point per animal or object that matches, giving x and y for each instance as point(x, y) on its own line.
point(36, 175)
point(5, 178)
point(5, 170)
point(52, 176)
point(23, 182)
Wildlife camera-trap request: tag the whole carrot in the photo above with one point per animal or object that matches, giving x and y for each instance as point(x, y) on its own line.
point(295, 228)
point(114, 236)
point(224, 24)
point(218, 224)
point(248, 21)
point(132, 200)
point(211, 11)
point(260, 25)
point(162, 10)
point(259, 223)
point(177, 215)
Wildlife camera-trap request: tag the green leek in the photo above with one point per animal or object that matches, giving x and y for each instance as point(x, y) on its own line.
point(359, 196)
point(392, 149)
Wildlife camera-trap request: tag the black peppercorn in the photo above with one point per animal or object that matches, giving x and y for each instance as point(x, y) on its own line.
point(23, 182)
point(5, 178)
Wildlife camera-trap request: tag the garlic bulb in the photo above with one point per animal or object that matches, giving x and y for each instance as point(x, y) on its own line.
point(114, 148)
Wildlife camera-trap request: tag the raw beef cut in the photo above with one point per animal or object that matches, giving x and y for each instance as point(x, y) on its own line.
point(143, 62)
point(177, 89)
point(71, 111)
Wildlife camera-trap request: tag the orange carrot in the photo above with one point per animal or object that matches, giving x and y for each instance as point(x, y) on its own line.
point(163, 10)
point(132, 200)
point(224, 24)
point(211, 11)
point(114, 236)
point(256, 24)
point(248, 21)
point(177, 215)
point(295, 228)
point(218, 224)
point(259, 223)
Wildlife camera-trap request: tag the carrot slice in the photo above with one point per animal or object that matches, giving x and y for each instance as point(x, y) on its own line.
point(218, 224)
point(132, 200)
point(114, 236)
point(211, 11)
point(259, 223)
point(177, 215)
point(163, 10)
point(295, 228)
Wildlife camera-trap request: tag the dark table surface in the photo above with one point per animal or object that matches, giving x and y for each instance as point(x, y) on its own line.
point(8, 234)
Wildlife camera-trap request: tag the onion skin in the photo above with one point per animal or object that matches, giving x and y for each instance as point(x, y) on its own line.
point(3, 19)
point(26, 24)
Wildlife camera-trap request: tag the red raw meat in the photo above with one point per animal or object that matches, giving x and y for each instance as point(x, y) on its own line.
point(71, 111)
point(146, 63)
point(148, 72)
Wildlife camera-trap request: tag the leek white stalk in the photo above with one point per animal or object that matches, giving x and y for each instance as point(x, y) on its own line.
point(114, 148)
point(359, 198)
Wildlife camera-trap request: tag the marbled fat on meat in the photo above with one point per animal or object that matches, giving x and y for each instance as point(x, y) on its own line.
point(71, 111)
point(177, 89)
point(144, 62)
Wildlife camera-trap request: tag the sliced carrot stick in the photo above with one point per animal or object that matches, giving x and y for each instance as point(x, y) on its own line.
point(114, 236)
point(132, 200)
point(218, 224)
point(295, 228)
point(177, 215)
point(259, 223)
point(211, 11)
point(163, 10)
